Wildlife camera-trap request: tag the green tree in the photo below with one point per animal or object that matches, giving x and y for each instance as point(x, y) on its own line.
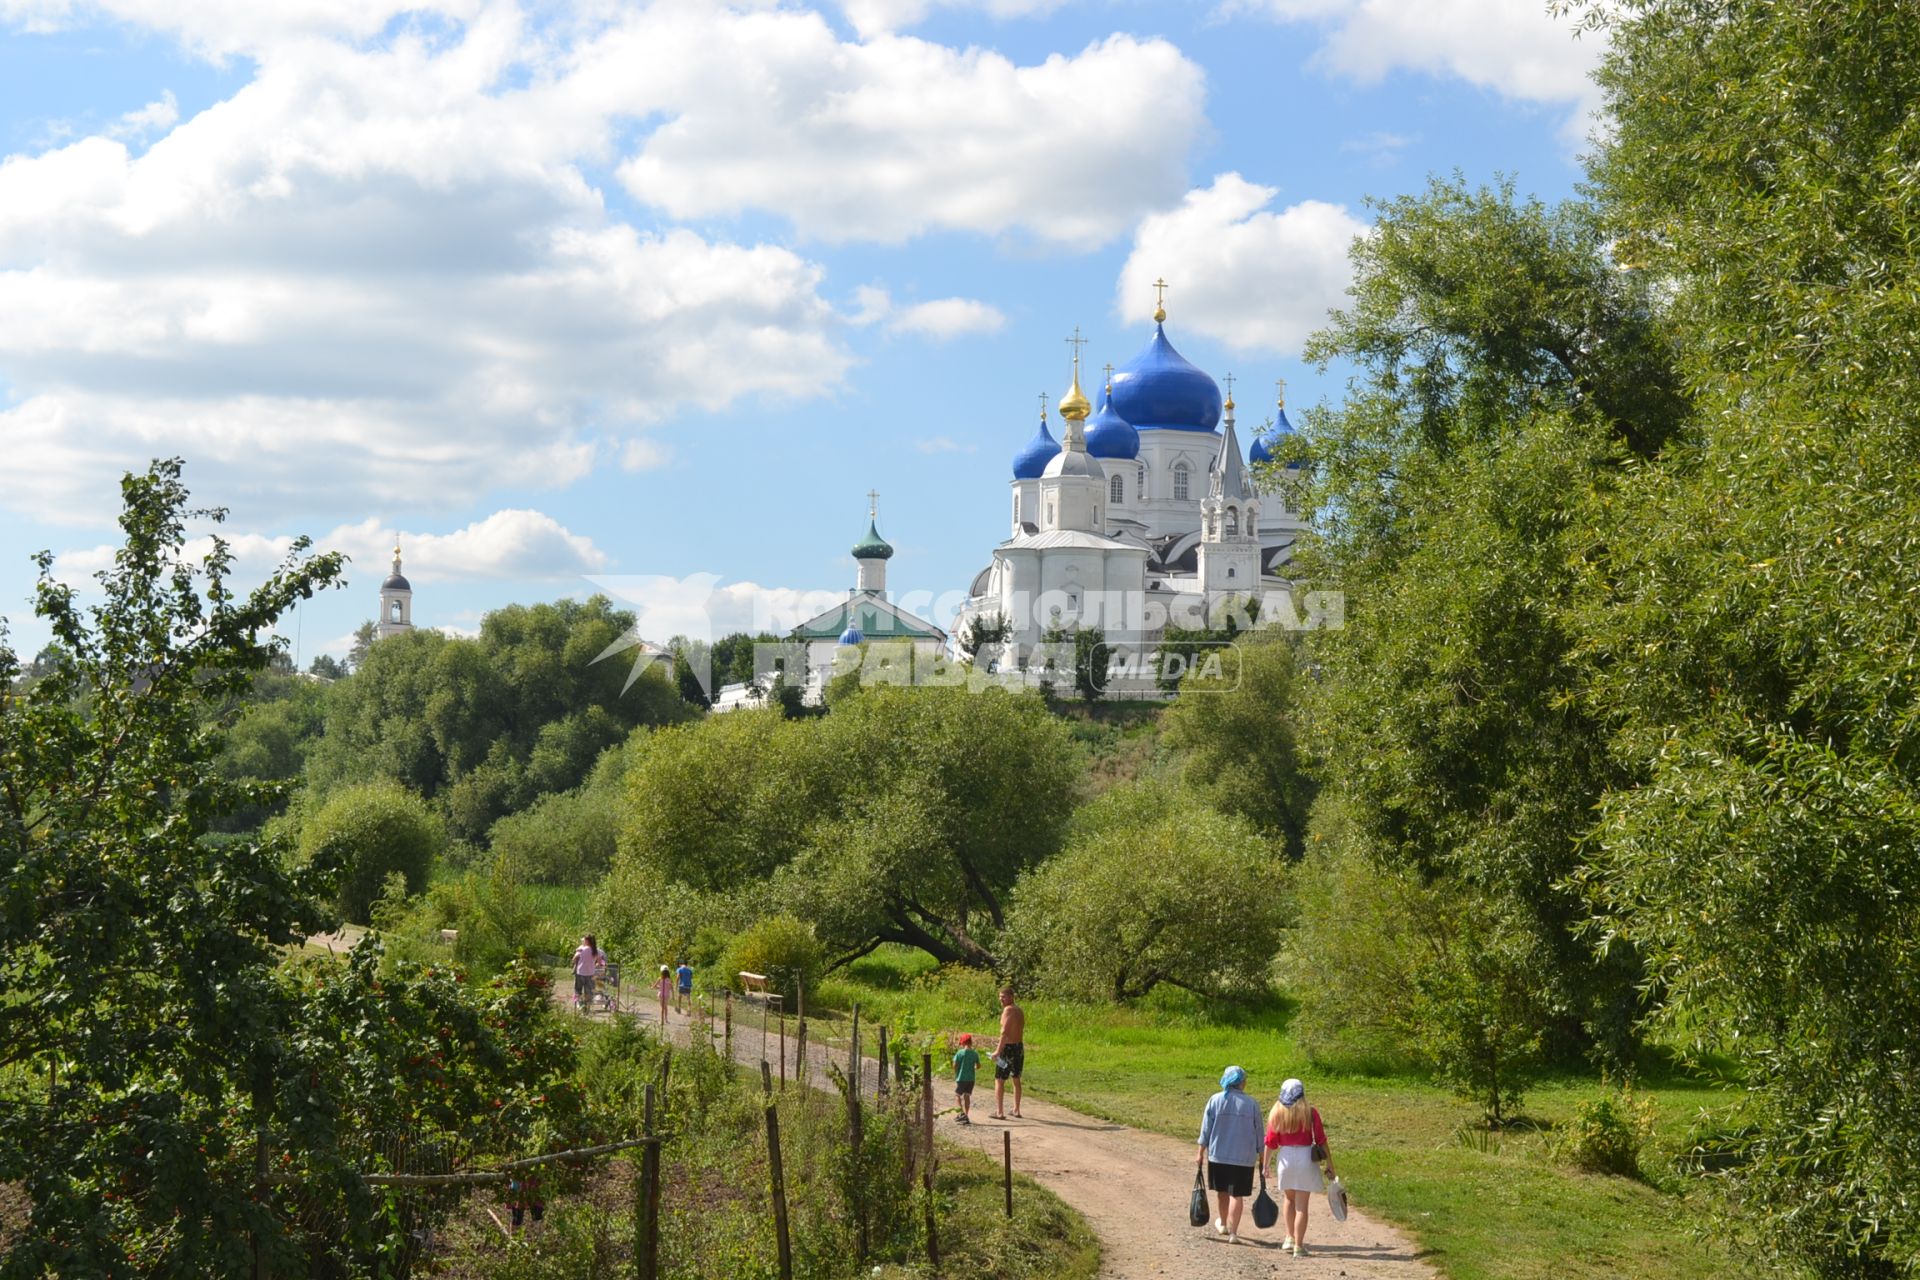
point(137, 963)
point(1752, 631)
point(1153, 887)
point(904, 816)
point(723, 801)
point(364, 636)
point(1239, 732)
point(1508, 373)
point(567, 837)
point(370, 832)
point(982, 631)
point(485, 726)
point(944, 797)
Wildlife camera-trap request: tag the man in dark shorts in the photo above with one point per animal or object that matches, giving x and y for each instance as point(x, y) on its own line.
point(1010, 1055)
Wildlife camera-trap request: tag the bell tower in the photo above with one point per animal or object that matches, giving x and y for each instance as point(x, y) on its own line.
point(396, 600)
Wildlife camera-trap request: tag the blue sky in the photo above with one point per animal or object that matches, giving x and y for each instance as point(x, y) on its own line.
point(557, 291)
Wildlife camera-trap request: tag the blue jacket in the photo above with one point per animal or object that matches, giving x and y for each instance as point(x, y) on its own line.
point(1230, 1128)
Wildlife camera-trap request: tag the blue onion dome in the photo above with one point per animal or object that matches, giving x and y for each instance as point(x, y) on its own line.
point(851, 635)
point(1262, 451)
point(873, 546)
point(1109, 435)
point(1159, 389)
point(1036, 454)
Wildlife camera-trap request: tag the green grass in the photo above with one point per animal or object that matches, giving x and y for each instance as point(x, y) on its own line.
point(1487, 1207)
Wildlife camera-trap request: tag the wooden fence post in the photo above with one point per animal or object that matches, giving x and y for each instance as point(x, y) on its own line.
point(779, 1179)
point(729, 1054)
point(1006, 1167)
point(646, 1205)
point(926, 1119)
point(800, 1033)
point(880, 1068)
point(853, 1056)
point(783, 1048)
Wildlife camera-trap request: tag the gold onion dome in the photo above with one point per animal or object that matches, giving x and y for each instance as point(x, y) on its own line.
point(1074, 405)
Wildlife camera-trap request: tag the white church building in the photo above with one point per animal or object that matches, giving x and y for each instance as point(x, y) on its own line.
point(1143, 514)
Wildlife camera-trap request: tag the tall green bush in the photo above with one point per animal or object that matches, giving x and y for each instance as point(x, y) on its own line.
point(782, 948)
point(1153, 887)
point(371, 831)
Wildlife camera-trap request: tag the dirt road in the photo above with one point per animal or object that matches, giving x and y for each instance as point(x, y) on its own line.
point(1131, 1186)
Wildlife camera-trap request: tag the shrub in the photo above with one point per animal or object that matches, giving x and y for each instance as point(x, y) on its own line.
point(642, 919)
point(1152, 888)
point(564, 838)
point(1607, 1133)
point(781, 947)
point(371, 831)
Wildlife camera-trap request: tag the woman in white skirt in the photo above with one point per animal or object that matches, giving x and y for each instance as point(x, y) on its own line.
point(1296, 1143)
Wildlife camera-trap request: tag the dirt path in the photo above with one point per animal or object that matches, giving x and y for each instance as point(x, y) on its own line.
point(1131, 1186)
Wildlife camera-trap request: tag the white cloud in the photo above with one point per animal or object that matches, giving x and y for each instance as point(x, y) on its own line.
point(369, 277)
point(944, 444)
point(948, 318)
point(1517, 48)
point(939, 319)
point(873, 17)
point(158, 116)
point(380, 272)
point(510, 545)
point(1240, 272)
point(896, 137)
point(643, 454)
point(217, 28)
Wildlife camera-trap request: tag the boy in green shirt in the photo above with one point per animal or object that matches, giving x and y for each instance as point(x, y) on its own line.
point(965, 1063)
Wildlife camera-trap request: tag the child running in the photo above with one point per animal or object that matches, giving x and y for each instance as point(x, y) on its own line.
point(665, 988)
point(965, 1064)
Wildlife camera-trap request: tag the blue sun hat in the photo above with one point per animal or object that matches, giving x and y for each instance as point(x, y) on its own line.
point(1233, 1078)
point(1291, 1092)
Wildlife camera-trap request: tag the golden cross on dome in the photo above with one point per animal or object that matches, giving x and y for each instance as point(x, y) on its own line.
point(1280, 391)
point(1043, 406)
point(1229, 381)
point(1160, 298)
point(1076, 342)
point(873, 504)
point(1109, 375)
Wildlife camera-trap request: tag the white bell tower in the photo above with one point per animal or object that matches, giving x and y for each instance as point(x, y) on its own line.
point(396, 600)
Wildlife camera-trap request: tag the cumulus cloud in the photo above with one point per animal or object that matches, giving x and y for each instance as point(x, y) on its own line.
point(872, 17)
point(894, 137)
point(218, 28)
point(1252, 277)
point(948, 318)
point(940, 319)
point(381, 270)
point(369, 276)
point(1516, 48)
point(511, 545)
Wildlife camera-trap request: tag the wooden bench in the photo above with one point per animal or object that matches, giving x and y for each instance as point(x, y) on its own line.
point(753, 983)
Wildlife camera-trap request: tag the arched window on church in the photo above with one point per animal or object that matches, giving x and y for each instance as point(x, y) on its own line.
point(1117, 490)
point(1229, 571)
point(1016, 508)
point(396, 612)
point(1140, 489)
point(1233, 522)
point(1179, 482)
point(1049, 513)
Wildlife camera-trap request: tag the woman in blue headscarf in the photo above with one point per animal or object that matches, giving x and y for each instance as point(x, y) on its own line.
point(1230, 1147)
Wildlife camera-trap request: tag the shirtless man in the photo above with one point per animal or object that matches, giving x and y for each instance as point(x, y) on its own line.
point(1012, 1051)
